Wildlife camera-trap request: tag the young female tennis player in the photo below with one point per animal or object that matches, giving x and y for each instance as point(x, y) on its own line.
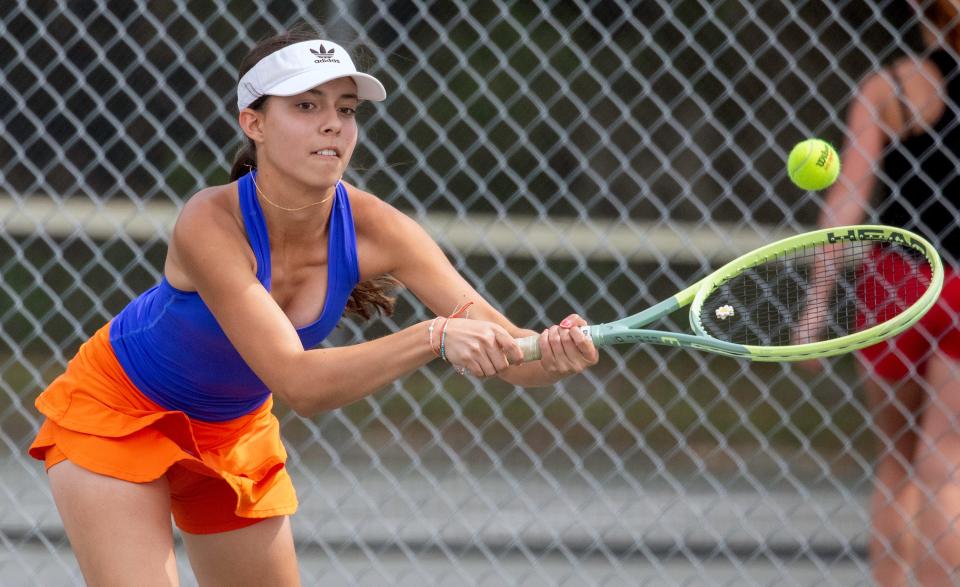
point(167, 409)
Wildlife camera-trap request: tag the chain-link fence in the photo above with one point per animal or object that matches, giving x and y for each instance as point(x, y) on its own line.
point(569, 156)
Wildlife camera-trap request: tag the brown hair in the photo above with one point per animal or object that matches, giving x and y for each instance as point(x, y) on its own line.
point(370, 297)
point(944, 15)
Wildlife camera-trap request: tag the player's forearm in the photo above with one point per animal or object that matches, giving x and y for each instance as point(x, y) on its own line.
point(326, 379)
point(529, 375)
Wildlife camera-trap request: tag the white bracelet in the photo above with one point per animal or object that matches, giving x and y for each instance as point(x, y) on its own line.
point(430, 330)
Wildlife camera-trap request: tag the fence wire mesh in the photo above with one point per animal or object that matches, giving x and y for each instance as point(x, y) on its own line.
point(570, 156)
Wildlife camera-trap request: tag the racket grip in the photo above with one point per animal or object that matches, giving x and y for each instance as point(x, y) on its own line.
point(530, 346)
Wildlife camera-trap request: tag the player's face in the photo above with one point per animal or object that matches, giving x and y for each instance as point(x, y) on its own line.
point(311, 136)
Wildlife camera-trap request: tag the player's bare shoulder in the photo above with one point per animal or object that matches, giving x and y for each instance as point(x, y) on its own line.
point(376, 219)
point(213, 211)
point(385, 235)
point(209, 222)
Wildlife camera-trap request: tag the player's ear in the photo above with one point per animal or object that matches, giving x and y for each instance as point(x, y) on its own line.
point(251, 122)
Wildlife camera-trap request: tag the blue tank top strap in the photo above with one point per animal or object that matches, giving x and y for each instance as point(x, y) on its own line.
point(256, 226)
point(347, 238)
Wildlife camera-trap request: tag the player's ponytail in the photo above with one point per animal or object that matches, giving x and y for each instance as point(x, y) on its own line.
point(244, 161)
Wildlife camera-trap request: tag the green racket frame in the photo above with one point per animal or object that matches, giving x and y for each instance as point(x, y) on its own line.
point(627, 330)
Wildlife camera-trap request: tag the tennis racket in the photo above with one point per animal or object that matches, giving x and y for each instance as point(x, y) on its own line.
point(816, 294)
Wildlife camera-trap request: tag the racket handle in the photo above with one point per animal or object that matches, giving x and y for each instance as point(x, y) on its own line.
point(530, 345)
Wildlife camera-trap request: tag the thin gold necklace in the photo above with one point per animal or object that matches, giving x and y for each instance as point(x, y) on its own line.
point(275, 205)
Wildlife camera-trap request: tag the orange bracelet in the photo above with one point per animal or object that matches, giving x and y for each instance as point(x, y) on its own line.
point(462, 308)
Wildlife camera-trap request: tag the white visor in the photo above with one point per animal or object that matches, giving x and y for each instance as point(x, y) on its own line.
point(300, 67)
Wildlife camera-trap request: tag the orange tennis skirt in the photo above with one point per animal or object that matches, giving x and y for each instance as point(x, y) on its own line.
point(222, 475)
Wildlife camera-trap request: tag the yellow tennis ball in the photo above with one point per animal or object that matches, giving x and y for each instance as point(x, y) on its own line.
point(813, 165)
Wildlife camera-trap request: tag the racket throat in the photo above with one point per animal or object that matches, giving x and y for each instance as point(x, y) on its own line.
point(607, 334)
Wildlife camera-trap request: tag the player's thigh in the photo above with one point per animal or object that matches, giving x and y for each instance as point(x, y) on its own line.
point(119, 531)
point(261, 554)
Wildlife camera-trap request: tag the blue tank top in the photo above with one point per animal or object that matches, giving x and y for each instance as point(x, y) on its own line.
point(175, 352)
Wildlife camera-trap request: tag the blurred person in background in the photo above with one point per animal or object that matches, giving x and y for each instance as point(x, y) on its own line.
point(901, 158)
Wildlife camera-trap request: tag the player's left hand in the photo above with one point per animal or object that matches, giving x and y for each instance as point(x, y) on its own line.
point(565, 349)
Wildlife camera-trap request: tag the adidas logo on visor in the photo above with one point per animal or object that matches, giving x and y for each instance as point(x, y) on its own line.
point(324, 56)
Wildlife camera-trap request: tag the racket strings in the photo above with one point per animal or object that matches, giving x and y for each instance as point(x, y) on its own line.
point(816, 292)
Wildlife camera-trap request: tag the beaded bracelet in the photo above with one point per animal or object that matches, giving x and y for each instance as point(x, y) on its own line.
point(443, 341)
point(443, 327)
